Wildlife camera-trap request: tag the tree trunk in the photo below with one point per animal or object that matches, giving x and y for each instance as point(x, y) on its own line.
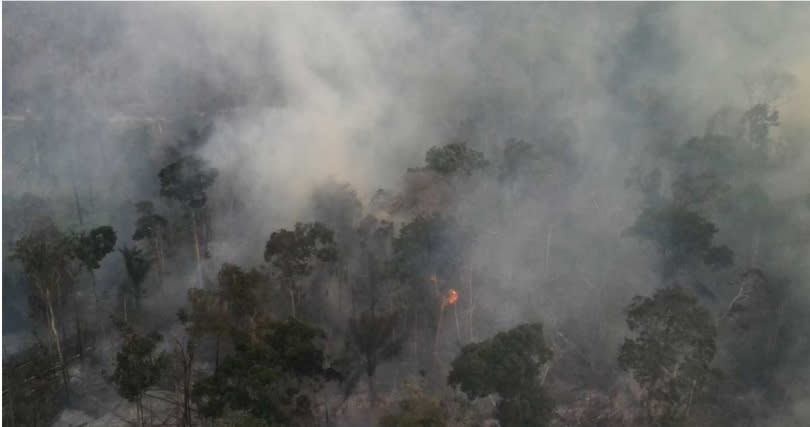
point(292, 301)
point(216, 356)
point(57, 342)
point(187, 362)
point(471, 304)
point(197, 247)
point(156, 249)
point(372, 390)
point(78, 205)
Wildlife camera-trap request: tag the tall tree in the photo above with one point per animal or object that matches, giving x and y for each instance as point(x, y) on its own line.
point(294, 253)
point(151, 227)
point(374, 339)
point(683, 238)
point(47, 256)
point(187, 180)
point(137, 366)
point(235, 306)
point(509, 365)
point(669, 353)
point(454, 158)
point(272, 378)
point(91, 247)
point(137, 266)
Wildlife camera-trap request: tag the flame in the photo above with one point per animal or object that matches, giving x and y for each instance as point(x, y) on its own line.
point(452, 297)
point(433, 278)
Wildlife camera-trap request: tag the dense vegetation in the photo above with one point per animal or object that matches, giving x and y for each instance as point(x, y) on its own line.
point(497, 284)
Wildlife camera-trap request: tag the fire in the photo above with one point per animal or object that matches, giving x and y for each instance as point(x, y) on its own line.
point(433, 278)
point(452, 297)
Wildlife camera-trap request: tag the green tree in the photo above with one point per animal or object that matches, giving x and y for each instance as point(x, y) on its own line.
point(429, 250)
point(683, 238)
point(151, 227)
point(509, 365)
point(374, 339)
point(137, 266)
point(187, 180)
point(416, 412)
point(272, 378)
point(47, 257)
point(234, 307)
point(294, 253)
point(91, 247)
point(454, 158)
point(669, 353)
point(137, 366)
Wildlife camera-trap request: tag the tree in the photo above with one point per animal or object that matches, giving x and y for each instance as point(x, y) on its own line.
point(272, 378)
point(758, 120)
point(90, 248)
point(137, 266)
point(186, 181)
point(454, 158)
point(294, 252)
point(683, 238)
point(374, 339)
point(429, 250)
point(137, 366)
point(151, 227)
point(416, 412)
point(235, 306)
point(432, 245)
point(47, 255)
point(509, 365)
point(669, 353)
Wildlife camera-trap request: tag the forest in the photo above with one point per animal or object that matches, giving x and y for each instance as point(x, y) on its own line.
point(405, 215)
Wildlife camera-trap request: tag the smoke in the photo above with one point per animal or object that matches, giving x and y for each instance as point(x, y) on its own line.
point(302, 94)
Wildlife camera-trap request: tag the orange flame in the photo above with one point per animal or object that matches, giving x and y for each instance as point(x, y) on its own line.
point(433, 278)
point(452, 297)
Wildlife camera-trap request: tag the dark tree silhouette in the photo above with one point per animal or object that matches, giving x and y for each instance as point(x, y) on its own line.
point(294, 252)
point(669, 354)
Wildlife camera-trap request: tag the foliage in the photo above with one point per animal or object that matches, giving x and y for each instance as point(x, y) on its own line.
point(91, 247)
point(137, 266)
point(137, 366)
point(32, 395)
point(45, 255)
point(683, 237)
point(531, 407)
point(759, 119)
point(430, 245)
point(509, 365)
point(271, 378)
point(336, 205)
point(416, 412)
point(235, 305)
point(373, 340)
point(669, 354)
point(293, 252)
point(149, 225)
point(186, 180)
point(454, 158)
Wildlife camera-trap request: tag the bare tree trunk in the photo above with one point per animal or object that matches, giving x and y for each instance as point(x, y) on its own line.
point(372, 390)
point(197, 247)
point(470, 303)
point(216, 356)
point(57, 342)
point(292, 301)
point(548, 252)
point(156, 249)
point(458, 327)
